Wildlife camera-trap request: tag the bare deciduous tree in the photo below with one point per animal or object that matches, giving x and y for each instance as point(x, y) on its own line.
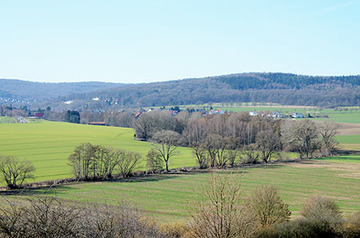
point(250, 155)
point(51, 217)
point(154, 162)
point(15, 171)
point(268, 142)
point(166, 145)
point(81, 159)
point(219, 214)
point(127, 162)
point(104, 162)
point(301, 136)
point(151, 122)
point(201, 155)
point(98, 162)
point(216, 147)
point(328, 130)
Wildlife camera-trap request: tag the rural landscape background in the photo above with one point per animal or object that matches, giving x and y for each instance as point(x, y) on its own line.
point(178, 119)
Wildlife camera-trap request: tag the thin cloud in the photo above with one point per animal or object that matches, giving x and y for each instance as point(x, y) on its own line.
point(337, 7)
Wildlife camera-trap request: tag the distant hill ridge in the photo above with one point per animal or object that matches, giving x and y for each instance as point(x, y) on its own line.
point(39, 91)
point(328, 91)
point(283, 88)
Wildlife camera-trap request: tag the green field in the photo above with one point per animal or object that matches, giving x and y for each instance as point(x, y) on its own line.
point(348, 139)
point(48, 145)
point(170, 198)
point(7, 120)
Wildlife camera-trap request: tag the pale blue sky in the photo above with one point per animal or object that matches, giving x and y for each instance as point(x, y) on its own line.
point(144, 41)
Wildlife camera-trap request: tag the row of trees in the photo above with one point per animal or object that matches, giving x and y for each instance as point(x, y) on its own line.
point(99, 162)
point(218, 139)
point(96, 162)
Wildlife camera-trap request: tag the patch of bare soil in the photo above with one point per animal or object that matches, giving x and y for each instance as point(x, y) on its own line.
point(349, 129)
point(349, 170)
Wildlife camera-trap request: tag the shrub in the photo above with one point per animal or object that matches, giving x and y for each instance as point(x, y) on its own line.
point(154, 162)
point(321, 208)
point(323, 213)
point(175, 230)
point(301, 228)
point(351, 227)
point(267, 206)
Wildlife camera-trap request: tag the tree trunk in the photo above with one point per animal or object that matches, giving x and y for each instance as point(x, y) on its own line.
point(167, 166)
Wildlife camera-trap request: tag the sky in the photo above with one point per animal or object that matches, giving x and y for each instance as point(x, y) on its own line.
point(138, 41)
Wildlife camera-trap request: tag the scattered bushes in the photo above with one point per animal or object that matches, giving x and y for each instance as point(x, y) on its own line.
point(51, 217)
point(321, 218)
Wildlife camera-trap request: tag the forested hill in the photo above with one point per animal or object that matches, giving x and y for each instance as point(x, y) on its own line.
point(287, 81)
point(280, 88)
point(35, 91)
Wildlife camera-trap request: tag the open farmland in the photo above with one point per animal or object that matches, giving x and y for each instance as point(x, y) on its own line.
point(170, 198)
point(48, 145)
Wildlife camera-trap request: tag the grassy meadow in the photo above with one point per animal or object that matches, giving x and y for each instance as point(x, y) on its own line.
point(171, 198)
point(48, 145)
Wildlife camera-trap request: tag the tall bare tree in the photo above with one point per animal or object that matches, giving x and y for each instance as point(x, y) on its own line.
point(301, 136)
point(267, 142)
point(219, 213)
point(166, 145)
point(154, 161)
point(328, 130)
point(127, 162)
point(200, 154)
point(81, 161)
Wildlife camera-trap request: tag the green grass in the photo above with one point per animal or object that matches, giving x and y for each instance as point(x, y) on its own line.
point(170, 198)
point(48, 145)
point(7, 120)
point(343, 116)
point(348, 139)
point(342, 159)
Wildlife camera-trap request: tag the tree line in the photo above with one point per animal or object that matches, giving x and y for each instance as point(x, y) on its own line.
point(219, 140)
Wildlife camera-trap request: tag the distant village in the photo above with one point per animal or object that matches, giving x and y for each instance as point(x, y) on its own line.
point(100, 117)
